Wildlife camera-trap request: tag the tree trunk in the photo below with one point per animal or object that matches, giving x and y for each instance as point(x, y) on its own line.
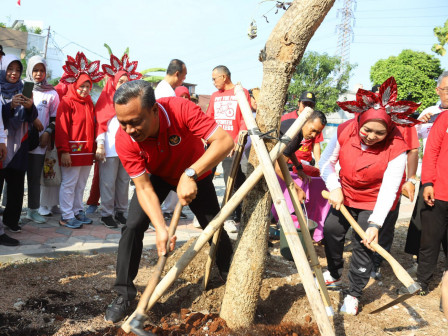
point(282, 53)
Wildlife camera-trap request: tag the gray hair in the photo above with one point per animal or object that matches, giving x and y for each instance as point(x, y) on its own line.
point(441, 77)
point(223, 69)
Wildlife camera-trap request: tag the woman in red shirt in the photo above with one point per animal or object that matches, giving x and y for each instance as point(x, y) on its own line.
point(75, 138)
point(372, 154)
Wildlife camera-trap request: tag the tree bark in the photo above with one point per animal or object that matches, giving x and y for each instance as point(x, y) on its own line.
point(283, 51)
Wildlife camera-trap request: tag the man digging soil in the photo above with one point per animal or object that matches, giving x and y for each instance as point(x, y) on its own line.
point(163, 139)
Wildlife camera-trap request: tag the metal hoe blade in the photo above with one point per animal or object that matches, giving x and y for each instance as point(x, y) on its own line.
point(413, 289)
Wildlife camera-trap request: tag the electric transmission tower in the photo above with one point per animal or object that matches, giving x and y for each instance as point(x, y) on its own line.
point(345, 31)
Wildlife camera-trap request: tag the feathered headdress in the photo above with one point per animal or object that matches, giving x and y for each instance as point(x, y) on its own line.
point(398, 111)
point(124, 65)
point(74, 67)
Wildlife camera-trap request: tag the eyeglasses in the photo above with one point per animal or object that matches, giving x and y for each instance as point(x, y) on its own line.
point(214, 79)
point(445, 90)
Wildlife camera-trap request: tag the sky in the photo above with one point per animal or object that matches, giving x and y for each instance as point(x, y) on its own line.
point(207, 33)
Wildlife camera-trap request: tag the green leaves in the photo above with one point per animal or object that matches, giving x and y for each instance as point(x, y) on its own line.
point(441, 34)
point(416, 74)
point(322, 74)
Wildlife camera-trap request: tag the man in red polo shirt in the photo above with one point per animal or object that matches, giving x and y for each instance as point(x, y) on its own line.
point(160, 146)
point(309, 147)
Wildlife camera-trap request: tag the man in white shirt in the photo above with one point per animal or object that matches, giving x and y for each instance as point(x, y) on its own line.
point(175, 76)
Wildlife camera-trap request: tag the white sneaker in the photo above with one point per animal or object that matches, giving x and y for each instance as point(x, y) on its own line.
point(44, 211)
point(350, 305)
point(196, 223)
point(330, 281)
point(230, 226)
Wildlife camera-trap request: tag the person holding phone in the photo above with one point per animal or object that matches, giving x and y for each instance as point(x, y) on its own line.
point(18, 112)
point(46, 101)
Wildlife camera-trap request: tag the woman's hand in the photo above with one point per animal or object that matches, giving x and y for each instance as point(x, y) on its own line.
point(371, 236)
point(66, 161)
point(16, 101)
point(44, 140)
point(27, 102)
point(38, 125)
point(100, 153)
point(336, 198)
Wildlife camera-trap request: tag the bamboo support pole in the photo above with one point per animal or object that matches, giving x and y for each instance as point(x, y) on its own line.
point(281, 207)
point(229, 189)
point(226, 210)
point(306, 237)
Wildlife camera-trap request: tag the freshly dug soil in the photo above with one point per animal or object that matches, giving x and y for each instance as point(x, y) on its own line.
point(68, 296)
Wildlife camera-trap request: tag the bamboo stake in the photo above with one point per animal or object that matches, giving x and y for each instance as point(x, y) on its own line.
point(226, 210)
point(286, 222)
point(306, 236)
point(229, 190)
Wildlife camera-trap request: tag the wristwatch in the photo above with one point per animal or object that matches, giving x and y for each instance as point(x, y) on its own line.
point(191, 173)
point(413, 181)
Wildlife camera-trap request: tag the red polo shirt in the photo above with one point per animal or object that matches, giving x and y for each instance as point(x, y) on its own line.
point(177, 146)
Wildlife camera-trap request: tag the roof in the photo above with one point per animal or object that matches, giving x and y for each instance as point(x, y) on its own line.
point(13, 38)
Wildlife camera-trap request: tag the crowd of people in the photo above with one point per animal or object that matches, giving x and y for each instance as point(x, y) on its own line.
point(161, 141)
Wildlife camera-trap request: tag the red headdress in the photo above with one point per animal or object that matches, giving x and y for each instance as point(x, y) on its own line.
point(104, 109)
point(385, 100)
point(117, 65)
point(74, 67)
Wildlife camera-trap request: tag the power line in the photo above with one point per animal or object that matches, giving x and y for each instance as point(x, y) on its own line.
point(79, 45)
point(398, 9)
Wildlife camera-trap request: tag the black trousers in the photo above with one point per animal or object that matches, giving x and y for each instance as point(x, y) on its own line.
point(434, 230)
point(415, 227)
point(386, 235)
point(205, 207)
point(15, 180)
point(335, 228)
point(240, 178)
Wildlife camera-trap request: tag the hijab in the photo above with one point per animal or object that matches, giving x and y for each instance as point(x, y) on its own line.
point(8, 90)
point(73, 94)
point(104, 109)
point(42, 86)
point(180, 90)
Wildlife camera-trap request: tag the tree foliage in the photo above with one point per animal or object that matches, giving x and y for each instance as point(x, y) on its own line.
point(415, 72)
point(320, 74)
point(441, 34)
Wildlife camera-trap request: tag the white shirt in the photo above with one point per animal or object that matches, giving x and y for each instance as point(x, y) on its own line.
point(389, 186)
point(164, 89)
point(47, 105)
point(423, 129)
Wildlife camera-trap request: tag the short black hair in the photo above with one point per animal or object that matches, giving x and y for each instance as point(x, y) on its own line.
point(376, 88)
point(175, 66)
point(134, 89)
point(318, 115)
point(223, 69)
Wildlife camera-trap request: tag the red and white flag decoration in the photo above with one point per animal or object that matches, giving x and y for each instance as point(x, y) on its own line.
point(18, 2)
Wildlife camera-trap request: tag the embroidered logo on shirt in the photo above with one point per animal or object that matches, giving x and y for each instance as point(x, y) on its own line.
point(174, 140)
point(44, 102)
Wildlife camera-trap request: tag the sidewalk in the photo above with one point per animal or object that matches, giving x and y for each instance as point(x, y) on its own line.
point(51, 240)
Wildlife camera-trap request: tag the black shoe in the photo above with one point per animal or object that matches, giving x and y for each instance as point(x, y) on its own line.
point(223, 275)
point(167, 215)
point(117, 309)
point(14, 228)
point(109, 222)
point(8, 241)
point(119, 216)
point(183, 216)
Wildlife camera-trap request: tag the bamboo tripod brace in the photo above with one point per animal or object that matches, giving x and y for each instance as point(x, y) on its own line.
point(265, 168)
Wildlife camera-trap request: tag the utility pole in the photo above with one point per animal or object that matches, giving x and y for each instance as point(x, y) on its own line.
point(46, 42)
point(345, 33)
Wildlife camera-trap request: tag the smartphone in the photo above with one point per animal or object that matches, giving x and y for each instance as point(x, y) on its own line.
point(28, 89)
point(433, 118)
